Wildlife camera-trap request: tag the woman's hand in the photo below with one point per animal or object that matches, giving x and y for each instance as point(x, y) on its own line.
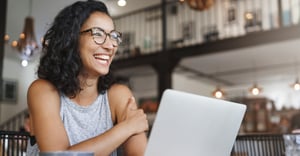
point(130, 121)
point(135, 118)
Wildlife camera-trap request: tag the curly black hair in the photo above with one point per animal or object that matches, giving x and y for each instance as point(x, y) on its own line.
point(61, 63)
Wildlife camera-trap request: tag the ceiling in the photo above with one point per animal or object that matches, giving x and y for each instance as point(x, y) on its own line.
point(264, 63)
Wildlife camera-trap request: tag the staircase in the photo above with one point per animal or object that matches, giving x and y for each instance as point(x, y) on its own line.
point(15, 123)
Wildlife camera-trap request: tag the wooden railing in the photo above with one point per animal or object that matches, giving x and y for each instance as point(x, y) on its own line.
point(16, 122)
point(143, 31)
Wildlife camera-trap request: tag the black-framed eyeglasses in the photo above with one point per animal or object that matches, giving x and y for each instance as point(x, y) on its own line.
point(99, 36)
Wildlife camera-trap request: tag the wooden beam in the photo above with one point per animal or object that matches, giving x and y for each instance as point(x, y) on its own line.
point(248, 40)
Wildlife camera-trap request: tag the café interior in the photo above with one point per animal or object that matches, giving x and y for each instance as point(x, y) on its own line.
point(245, 51)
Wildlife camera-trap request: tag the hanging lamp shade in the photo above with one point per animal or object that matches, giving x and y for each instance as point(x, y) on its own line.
point(27, 44)
point(200, 4)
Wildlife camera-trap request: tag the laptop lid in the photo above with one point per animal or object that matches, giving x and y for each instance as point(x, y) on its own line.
point(193, 125)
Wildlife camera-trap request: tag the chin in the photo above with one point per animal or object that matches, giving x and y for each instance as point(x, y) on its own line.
point(103, 72)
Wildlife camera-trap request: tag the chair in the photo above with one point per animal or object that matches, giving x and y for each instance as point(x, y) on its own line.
point(13, 143)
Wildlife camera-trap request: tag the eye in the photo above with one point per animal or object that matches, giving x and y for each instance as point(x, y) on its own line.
point(115, 35)
point(98, 33)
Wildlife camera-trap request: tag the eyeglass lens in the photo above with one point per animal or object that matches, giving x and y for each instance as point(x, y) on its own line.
point(100, 36)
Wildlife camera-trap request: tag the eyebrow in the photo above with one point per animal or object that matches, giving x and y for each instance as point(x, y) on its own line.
point(86, 30)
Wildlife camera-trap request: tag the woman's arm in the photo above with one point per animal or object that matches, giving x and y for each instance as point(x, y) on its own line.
point(47, 127)
point(44, 107)
point(135, 145)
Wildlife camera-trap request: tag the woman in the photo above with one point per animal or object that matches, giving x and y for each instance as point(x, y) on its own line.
point(74, 104)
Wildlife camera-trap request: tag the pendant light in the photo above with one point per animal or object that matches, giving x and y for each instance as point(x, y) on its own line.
point(27, 45)
point(296, 84)
point(6, 38)
point(218, 93)
point(122, 3)
point(255, 89)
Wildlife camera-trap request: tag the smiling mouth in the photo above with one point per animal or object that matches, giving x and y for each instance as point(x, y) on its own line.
point(103, 59)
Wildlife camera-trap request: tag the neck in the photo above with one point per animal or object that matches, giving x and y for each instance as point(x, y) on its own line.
point(89, 91)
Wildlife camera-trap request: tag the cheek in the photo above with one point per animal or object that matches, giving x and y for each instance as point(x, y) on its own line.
point(81, 45)
point(85, 47)
point(115, 51)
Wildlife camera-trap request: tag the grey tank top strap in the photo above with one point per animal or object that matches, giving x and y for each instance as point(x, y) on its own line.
point(84, 122)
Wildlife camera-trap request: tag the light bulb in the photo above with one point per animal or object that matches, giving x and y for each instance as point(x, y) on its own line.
point(297, 86)
point(122, 3)
point(24, 63)
point(6, 38)
point(218, 93)
point(22, 36)
point(14, 44)
point(255, 91)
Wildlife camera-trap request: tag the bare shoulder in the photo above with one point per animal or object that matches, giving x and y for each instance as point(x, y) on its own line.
point(119, 94)
point(119, 89)
point(41, 91)
point(42, 88)
point(41, 85)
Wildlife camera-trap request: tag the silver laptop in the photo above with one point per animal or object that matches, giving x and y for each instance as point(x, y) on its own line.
point(191, 125)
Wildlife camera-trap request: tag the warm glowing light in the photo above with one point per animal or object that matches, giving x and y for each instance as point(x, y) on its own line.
point(24, 63)
point(200, 5)
point(6, 38)
point(218, 93)
point(122, 3)
point(296, 85)
point(22, 36)
point(14, 44)
point(249, 16)
point(255, 90)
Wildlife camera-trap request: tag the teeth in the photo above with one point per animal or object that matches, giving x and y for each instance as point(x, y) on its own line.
point(103, 57)
point(103, 61)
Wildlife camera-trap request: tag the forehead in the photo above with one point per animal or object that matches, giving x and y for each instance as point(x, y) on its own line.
point(99, 19)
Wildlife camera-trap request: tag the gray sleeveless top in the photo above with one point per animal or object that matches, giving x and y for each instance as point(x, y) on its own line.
point(82, 122)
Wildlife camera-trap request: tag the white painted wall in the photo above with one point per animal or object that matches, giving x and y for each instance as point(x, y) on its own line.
point(12, 70)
